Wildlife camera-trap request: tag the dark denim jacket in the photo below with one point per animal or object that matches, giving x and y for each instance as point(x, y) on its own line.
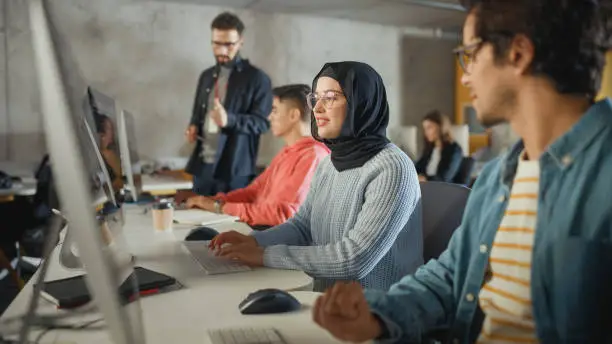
point(248, 103)
point(449, 166)
point(571, 279)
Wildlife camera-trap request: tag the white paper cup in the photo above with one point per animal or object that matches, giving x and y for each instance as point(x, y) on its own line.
point(163, 214)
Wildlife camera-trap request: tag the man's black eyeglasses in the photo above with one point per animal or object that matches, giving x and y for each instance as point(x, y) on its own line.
point(467, 53)
point(224, 44)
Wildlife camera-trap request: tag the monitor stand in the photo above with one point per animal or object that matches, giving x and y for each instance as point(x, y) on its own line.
point(110, 223)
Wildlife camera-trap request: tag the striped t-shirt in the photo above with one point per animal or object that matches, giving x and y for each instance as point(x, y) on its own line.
point(505, 297)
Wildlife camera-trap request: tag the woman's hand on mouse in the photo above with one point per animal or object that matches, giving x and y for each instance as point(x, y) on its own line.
point(245, 253)
point(232, 238)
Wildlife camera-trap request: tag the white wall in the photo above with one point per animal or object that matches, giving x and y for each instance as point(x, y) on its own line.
point(149, 55)
point(428, 80)
point(21, 136)
point(3, 71)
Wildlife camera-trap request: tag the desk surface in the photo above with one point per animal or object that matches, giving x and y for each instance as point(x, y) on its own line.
point(209, 301)
point(27, 187)
point(178, 319)
point(25, 171)
point(164, 182)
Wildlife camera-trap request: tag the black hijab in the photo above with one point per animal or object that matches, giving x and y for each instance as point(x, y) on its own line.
point(363, 133)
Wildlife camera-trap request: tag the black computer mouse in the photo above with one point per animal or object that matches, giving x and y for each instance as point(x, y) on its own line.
point(268, 301)
point(201, 234)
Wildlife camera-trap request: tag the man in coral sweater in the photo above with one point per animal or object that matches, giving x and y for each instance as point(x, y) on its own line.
point(278, 192)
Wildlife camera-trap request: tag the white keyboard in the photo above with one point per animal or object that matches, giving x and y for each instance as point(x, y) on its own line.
point(212, 264)
point(246, 336)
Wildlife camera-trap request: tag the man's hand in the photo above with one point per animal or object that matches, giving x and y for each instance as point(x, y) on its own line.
point(201, 202)
point(248, 254)
point(344, 312)
point(232, 238)
point(191, 133)
point(183, 195)
point(218, 114)
point(422, 178)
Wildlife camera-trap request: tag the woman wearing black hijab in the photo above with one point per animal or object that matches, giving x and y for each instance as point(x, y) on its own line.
point(362, 217)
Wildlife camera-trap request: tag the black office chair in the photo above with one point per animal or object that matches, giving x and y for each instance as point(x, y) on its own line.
point(464, 175)
point(443, 206)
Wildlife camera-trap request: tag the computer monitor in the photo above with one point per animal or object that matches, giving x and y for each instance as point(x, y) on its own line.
point(102, 103)
point(100, 167)
point(127, 156)
point(114, 130)
point(104, 110)
point(62, 91)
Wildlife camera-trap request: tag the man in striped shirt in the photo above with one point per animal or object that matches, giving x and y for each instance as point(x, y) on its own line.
point(532, 259)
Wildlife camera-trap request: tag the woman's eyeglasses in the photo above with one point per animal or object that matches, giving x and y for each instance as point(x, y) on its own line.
point(466, 54)
point(327, 99)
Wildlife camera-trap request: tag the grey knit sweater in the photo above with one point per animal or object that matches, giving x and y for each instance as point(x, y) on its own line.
point(362, 224)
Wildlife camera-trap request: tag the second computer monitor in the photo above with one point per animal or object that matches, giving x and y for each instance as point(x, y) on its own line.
point(127, 156)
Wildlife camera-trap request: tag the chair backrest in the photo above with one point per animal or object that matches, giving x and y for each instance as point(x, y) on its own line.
point(443, 206)
point(464, 175)
point(405, 137)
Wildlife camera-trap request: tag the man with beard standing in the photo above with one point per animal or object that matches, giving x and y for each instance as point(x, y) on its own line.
point(232, 102)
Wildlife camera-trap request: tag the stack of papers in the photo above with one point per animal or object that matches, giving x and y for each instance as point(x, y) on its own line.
point(197, 217)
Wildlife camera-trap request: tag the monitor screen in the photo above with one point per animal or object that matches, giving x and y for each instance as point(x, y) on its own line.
point(126, 150)
point(105, 116)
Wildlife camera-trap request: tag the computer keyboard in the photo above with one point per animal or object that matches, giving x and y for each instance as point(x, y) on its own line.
point(212, 264)
point(246, 336)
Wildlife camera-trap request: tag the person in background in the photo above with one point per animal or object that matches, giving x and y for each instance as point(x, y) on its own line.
point(109, 150)
point(442, 156)
point(276, 195)
point(233, 99)
point(531, 261)
point(362, 217)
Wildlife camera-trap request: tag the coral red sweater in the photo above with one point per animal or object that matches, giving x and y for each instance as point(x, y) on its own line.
point(278, 192)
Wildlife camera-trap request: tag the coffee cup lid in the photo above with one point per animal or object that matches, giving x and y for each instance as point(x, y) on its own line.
point(164, 204)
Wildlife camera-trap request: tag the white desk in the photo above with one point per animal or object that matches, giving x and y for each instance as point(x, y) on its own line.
point(27, 187)
point(166, 321)
point(162, 183)
point(208, 301)
point(25, 171)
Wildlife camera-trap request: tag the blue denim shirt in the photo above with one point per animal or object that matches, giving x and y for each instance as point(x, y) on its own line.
point(571, 277)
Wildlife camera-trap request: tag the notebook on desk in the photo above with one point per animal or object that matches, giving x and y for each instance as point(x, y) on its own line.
point(197, 217)
point(73, 292)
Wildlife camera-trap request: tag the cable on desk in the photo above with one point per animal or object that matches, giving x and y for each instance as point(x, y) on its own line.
point(48, 328)
point(49, 244)
point(80, 327)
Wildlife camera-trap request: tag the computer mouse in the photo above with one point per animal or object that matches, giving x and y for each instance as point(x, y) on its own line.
point(268, 301)
point(201, 234)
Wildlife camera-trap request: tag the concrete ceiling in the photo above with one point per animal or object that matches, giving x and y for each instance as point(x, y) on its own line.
point(439, 14)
